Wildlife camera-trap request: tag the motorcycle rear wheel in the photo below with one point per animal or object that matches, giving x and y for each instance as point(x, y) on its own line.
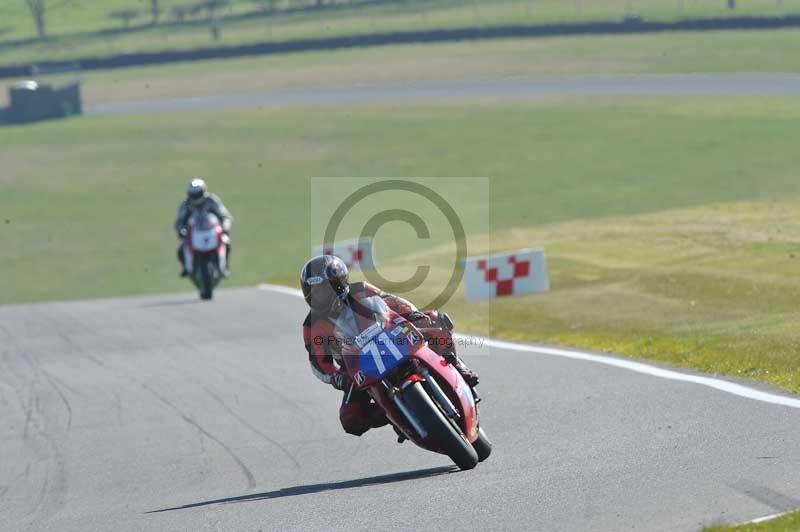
point(439, 427)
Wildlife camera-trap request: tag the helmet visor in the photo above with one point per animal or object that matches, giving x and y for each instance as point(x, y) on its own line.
point(196, 196)
point(321, 296)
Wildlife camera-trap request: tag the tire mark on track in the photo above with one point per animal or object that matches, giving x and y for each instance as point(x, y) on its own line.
point(247, 424)
point(50, 498)
point(63, 384)
point(235, 377)
point(23, 475)
point(37, 371)
point(291, 402)
point(42, 494)
point(307, 416)
point(43, 426)
point(61, 396)
point(117, 403)
point(28, 408)
point(249, 477)
point(52, 493)
point(75, 349)
point(251, 481)
point(17, 383)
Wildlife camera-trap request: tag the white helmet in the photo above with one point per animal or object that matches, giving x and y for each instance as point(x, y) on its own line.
point(196, 191)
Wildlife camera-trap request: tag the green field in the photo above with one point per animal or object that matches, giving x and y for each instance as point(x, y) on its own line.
point(83, 16)
point(73, 26)
point(670, 224)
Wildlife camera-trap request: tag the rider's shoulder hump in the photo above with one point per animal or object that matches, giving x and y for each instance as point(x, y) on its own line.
point(363, 287)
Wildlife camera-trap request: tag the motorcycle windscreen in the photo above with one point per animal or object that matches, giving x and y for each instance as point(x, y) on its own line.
point(380, 343)
point(204, 232)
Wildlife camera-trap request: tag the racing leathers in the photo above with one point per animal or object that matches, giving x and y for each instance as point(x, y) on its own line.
point(358, 413)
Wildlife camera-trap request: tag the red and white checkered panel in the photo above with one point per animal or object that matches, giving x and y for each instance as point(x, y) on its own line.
point(506, 274)
point(356, 253)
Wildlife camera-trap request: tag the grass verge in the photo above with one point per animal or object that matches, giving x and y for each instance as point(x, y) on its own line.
point(786, 523)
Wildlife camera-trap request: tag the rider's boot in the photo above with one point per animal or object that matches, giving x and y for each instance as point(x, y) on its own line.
point(226, 272)
point(400, 436)
point(184, 273)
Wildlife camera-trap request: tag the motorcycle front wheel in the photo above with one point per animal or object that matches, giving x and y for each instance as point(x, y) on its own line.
point(482, 445)
point(205, 275)
point(439, 427)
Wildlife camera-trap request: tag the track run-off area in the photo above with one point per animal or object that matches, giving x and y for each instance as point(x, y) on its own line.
point(163, 413)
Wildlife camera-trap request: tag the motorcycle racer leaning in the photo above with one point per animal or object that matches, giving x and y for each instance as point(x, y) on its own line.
point(199, 199)
point(326, 287)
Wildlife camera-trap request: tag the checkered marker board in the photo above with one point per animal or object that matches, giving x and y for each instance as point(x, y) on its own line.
point(506, 274)
point(356, 253)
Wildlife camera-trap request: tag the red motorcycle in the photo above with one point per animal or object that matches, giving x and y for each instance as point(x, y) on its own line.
point(205, 252)
point(423, 396)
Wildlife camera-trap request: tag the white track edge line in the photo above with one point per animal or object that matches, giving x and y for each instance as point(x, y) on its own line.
point(767, 518)
point(281, 289)
point(631, 365)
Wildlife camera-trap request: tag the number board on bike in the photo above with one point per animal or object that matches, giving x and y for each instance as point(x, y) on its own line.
point(385, 351)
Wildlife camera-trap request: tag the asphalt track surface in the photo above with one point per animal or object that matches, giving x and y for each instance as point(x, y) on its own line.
point(511, 89)
point(168, 414)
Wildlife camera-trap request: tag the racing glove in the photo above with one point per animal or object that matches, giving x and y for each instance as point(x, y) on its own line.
point(340, 381)
point(419, 319)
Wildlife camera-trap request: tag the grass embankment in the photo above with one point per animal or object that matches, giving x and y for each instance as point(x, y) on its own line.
point(73, 26)
point(669, 223)
point(785, 523)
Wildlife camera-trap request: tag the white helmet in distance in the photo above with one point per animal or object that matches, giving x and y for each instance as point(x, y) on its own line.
point(196, 191)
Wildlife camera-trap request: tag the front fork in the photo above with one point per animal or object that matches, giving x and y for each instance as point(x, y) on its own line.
point(401, 406)
point(439, 396)
point(433, 389)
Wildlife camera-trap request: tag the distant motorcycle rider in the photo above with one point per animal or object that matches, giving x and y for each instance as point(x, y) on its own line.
point(199, 199)
point(326, 287)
